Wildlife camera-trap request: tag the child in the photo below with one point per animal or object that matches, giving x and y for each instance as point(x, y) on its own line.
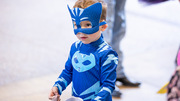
point(91, 65)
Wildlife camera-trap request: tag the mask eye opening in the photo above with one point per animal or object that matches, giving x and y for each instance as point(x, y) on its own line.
point(74, 25)
point(86, 24)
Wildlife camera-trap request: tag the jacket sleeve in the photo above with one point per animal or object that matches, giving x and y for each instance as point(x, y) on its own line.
point(65, 77)
point(109, 63)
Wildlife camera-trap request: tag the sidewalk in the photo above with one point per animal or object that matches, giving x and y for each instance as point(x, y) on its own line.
point(35, 37)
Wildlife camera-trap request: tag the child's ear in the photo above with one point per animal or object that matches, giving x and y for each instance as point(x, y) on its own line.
point(103, 27)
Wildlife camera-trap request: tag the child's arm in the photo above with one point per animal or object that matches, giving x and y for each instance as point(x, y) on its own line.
point(108, 75)
point(65, 77)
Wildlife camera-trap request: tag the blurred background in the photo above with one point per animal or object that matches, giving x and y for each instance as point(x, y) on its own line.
point(36, 35)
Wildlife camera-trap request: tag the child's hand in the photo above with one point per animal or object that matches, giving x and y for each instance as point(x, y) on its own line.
point(54, 95)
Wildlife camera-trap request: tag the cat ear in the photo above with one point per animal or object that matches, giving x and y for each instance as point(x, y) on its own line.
point(97, 7)
point(70, 11)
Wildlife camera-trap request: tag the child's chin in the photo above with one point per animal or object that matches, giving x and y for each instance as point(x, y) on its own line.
point(85, 42)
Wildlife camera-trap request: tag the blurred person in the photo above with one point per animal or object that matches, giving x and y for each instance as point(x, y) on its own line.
point(115, 32)
point(91, 65)
point(173, 88)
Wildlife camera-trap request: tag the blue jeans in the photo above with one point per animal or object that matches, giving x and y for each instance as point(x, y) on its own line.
point(116, 29)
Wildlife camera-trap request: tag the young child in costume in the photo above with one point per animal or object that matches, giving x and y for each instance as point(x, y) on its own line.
point(91, 65)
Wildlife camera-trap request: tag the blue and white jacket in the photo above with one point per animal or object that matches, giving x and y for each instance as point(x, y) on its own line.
point(92, 70)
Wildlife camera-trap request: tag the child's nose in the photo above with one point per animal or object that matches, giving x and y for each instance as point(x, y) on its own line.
point(81, 34)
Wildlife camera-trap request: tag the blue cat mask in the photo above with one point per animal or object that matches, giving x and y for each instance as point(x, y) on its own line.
point(91, 13)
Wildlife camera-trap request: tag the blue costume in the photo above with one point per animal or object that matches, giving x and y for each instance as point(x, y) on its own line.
point(90, 67)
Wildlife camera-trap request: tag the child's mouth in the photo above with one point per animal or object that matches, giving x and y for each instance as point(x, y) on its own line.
point(83, 38)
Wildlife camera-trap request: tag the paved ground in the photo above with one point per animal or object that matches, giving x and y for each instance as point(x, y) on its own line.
point(35, 37)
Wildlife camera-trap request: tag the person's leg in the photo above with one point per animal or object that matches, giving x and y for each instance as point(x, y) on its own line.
point(116, 29)
point(108, 33)
point(119, 30)
point(114, 34)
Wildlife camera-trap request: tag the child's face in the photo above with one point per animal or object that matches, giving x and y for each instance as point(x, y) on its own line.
point(87, 38)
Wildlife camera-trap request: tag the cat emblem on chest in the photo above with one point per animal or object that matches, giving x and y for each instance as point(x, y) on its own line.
point(83, 62)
